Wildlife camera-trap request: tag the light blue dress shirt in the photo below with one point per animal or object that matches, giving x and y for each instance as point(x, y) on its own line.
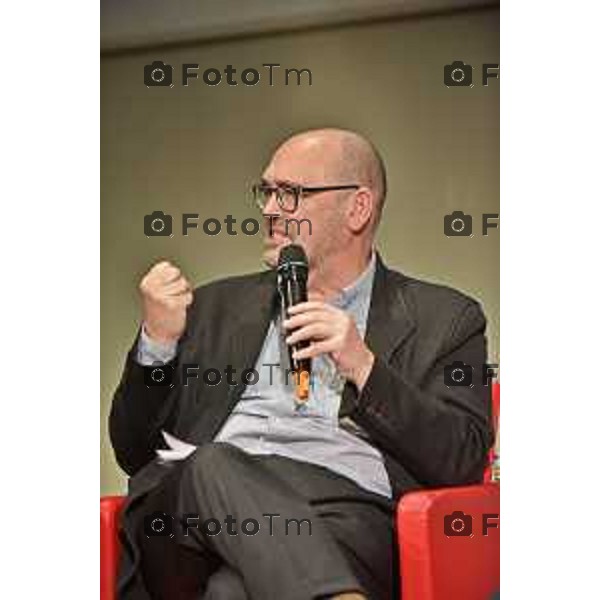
point(268, 420)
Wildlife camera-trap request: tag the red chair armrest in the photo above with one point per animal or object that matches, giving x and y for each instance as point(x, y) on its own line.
point(435, 566)
point(110, 508)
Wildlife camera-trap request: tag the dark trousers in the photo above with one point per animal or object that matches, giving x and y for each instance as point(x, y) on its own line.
point(288, 530)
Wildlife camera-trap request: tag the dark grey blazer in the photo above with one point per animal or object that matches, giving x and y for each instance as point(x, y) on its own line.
point(430, 434)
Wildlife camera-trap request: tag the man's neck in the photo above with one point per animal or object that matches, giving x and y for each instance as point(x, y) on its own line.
point(327, 280)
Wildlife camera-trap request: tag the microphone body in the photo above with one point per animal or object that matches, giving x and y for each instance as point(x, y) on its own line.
point(292, 277)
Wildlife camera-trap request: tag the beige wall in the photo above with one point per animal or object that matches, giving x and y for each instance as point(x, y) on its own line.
point(196, 149)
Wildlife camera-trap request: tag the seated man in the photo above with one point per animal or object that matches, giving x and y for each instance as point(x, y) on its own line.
point(381, 418)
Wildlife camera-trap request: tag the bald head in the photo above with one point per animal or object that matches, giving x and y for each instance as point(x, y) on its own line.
point(341, 222)
point(346, 157)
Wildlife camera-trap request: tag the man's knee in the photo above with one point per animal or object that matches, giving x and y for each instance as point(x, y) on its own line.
point(211, 460)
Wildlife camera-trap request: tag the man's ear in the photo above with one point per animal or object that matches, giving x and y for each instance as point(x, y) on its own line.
point(360, 211)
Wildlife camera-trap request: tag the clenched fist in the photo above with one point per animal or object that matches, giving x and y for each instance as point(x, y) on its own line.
point(166, 294)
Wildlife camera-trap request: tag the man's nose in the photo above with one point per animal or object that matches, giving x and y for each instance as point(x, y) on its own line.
point(271, 207)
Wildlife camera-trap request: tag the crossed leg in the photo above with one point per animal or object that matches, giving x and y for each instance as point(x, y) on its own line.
point(301, 532)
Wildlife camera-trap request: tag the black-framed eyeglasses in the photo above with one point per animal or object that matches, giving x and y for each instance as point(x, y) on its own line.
point(289, 195)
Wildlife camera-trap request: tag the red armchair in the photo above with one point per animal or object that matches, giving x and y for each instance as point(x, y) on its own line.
point(434, 566)
point(110, 508)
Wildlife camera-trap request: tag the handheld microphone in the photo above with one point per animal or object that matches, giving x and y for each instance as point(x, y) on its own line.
point(292, 275)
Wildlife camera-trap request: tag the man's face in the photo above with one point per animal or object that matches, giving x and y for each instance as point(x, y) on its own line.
point(318, 222)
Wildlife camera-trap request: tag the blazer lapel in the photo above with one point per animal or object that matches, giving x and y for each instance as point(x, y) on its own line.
point(250, 326)
point(389, 322)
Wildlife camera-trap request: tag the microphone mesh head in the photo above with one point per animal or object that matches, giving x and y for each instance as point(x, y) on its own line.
point(292, 254)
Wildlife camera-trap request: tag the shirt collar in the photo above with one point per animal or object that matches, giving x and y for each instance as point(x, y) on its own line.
point(360, 287)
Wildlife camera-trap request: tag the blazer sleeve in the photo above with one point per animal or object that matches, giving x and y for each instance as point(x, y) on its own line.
point(137, 415)
point(440, 433)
